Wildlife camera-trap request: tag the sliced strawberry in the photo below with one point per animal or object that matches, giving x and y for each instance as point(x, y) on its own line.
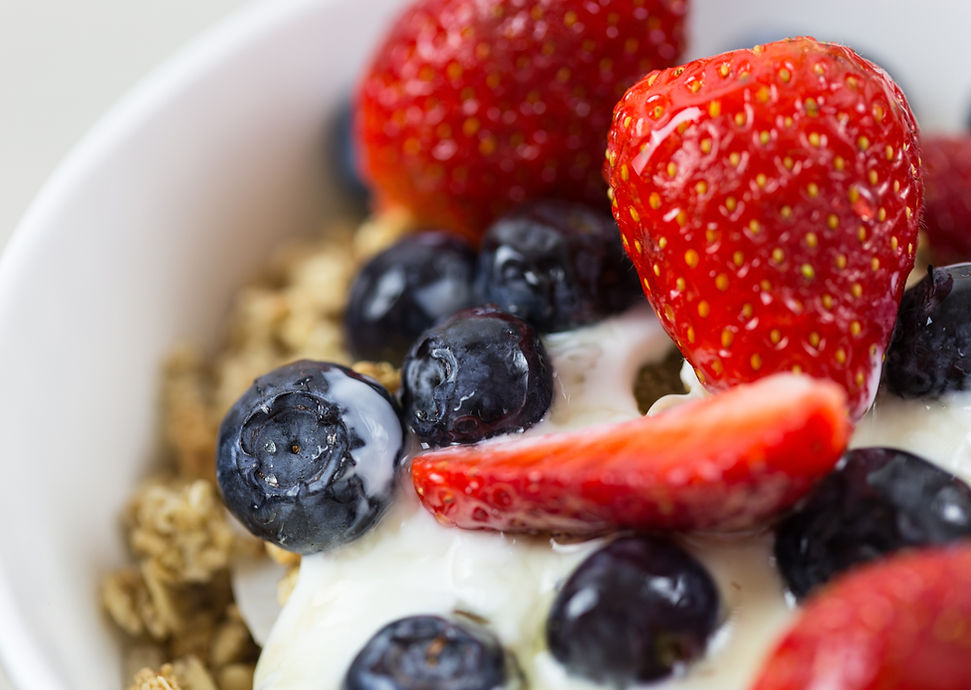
point(947, 207)
point(899, 624)
point(473, 106)
point(725, 462)
point(769, 199)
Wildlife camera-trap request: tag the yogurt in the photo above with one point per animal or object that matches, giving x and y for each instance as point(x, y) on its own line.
point(409, 564)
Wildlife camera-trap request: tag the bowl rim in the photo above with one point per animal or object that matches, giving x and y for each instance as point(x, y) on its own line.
point(21, 657)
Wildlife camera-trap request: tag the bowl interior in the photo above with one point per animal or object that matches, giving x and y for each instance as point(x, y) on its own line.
point(140, 237)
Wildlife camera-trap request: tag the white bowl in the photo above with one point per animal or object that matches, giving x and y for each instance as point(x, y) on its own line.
point(141, 235)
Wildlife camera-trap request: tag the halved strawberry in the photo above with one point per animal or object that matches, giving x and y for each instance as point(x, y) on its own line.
point(725, 462)
point(769, 199)
point(947, 207)
point(473, 106)
point(899, 624)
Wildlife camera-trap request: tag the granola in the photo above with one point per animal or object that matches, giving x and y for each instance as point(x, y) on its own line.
point(174, 602)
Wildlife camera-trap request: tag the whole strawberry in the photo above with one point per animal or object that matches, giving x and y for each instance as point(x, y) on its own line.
point(898, 624)
point(473, 106)
point(947, 204)
point(769, 199)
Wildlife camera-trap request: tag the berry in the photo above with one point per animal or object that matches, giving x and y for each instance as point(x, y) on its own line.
point(898, 624)
point(342, 156)
point(557, 265)
point(471, 107)
point(725, 462)
point(405, 290)
point(633, 612)
point(429, 653)
point(769, 199)
point(480, 373)
point(307, 457)
point(947, 201)
point(930, 353)
point(879, 500)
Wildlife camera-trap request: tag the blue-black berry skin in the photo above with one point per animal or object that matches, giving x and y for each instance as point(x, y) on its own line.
point(343, 157)
point(307, 457)
point(479, 373)
point(430, 653)
point(877, 501)
point(930, 352)
point(633, 612)
point(405, 290)
point(557, 265)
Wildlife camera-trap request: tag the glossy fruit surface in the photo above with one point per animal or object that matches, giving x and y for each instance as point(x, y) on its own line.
point(557, 265)
point(307, 457)
point(429, 653)
point(769, 199)
point(930, 353)
point(879, 500)
point(471, 107)
point(726, 462)
point(479, 373)
point(633, 612)
point(405, 290)
point(947, 204)
point(898, 624)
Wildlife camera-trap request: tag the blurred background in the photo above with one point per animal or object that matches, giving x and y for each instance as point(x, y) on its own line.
point(63, 63)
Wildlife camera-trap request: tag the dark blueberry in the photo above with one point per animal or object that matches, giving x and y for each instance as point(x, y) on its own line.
point(344, 157)
point(633, 612)
point(557, 265)
point(930, 352)
point(429, 653)
point(406, 289)
point(877, 501)
point(308, 455)
point(480, 373)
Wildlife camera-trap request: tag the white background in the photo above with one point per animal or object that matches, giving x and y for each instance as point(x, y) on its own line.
point(63, 63)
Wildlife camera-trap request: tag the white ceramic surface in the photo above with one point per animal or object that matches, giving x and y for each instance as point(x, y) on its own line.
point(139, 238)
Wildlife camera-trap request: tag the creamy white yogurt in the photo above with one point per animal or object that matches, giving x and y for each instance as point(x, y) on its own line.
point(409, 564)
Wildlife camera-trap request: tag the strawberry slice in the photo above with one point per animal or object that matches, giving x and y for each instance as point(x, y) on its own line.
point(769, 199)
point(471, 107)
point(947, 207)
point(899, 624)
point(721, 463)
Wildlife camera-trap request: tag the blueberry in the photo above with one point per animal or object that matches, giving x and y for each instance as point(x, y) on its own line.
point(343, 157)
point(878, 500)
point(557, 265)
point(405, 290)
point(930, 352)
point(633, 612)
point(429, 653)
point(307, 457)
point(479, 373)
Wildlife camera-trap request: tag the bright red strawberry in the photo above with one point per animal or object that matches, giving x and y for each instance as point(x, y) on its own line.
point(769, 199)
point(947, 200)
point(725, 462)
point(899, 624)
point(473, 106)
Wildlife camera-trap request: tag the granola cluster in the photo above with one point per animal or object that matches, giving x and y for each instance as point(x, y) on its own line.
point(174, 602)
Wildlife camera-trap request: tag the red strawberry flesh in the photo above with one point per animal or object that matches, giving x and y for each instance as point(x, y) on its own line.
point(722, 463)
point(769, 199)
point(471, 107)
point(899, 624)
point(947, 207)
